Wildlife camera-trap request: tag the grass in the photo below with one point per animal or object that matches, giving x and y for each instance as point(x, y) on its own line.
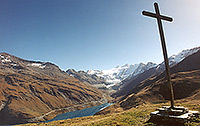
point(133, 117)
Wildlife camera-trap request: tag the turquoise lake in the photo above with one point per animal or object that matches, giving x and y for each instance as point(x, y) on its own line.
point(80, 113)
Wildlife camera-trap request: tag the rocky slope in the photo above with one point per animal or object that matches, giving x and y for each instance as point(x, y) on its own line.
point(29, 89)
point(185, 79)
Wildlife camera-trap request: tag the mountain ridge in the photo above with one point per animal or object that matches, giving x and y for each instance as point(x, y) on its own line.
point(133, 81)
point(29, 89)
point(185, 79)
point(119, 76)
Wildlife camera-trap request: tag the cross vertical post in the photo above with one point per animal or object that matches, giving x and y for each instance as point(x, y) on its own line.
point(162, 38)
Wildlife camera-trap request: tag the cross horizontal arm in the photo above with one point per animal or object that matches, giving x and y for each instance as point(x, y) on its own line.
point(157, 16)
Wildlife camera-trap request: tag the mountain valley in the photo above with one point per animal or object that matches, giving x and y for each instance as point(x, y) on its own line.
point(33, 91)
point(30, 89)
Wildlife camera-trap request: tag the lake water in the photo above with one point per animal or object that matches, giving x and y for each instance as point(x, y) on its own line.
point(80, 113)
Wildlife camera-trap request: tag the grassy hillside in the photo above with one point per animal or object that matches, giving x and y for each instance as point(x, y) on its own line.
point(137, 116)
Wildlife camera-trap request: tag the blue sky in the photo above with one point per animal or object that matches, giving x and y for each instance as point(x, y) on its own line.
point(95, 34)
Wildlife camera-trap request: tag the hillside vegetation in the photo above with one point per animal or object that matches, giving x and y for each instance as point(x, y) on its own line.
point(137, 116)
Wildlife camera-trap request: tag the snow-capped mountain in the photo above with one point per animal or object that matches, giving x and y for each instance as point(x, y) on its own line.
point(119, 73)
point(6, 59)
point(116, 75)
point(45, 68)
point(176, 58)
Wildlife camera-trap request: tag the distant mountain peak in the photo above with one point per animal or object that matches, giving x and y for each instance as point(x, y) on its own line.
point(119, 73)
point(176, 58)
point(126, 65)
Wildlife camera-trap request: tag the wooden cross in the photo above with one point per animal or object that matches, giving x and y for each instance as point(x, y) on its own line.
point(162, 38)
